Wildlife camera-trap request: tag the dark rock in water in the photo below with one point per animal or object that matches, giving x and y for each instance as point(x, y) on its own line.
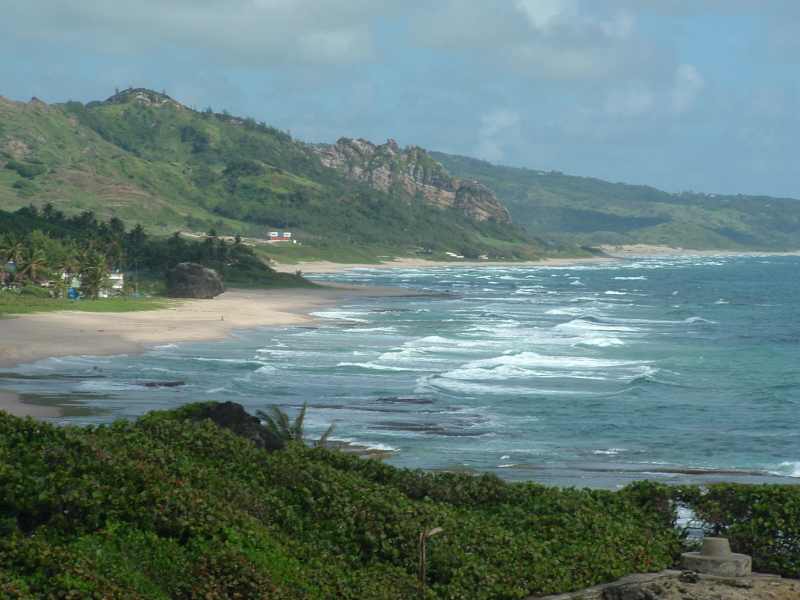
point(191, 280)
point(399, 400)
point(160, 384)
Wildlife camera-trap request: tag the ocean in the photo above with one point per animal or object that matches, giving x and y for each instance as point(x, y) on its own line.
point(679, 369)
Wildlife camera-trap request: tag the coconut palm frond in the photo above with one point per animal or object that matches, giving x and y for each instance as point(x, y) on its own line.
point(323, 440)
point(299, 423)
point(280, 430)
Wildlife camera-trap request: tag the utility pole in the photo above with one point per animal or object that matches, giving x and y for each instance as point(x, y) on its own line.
point(424, 536)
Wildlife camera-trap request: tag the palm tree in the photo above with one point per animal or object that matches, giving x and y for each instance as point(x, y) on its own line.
point(281, 431)
point(34, 264)
point(93, 272)
point(11, 249)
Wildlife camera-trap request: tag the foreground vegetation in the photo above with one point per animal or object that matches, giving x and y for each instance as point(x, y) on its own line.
point(173, 506)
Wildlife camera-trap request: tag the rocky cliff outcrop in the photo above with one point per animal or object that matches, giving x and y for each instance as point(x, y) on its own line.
point(411, 171)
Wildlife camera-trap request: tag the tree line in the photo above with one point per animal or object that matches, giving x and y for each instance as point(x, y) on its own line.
point(46, 246)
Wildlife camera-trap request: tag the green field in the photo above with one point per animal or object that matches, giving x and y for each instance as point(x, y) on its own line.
point(12, 303)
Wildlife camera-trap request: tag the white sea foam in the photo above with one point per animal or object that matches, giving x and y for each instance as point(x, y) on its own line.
point(342, 315)
point(788, 469)
point(373, 366)
point(235, 361)
point(366, 445)
point(699, 320)
point(567, 312)
point(534, 360)
point(581, 325)
point(638, 278)
point(609, 451)
point(615, 293)
point(600, 342)
point(721, 301)
point(479, 389)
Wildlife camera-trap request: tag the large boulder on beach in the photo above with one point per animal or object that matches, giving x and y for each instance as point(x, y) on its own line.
point(191, 280)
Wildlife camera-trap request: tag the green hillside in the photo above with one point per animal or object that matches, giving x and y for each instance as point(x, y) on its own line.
point(143, 157)
point(591, 211)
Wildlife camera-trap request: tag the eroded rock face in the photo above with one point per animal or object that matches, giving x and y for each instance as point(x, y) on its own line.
point(190, 280)
point(412, 171)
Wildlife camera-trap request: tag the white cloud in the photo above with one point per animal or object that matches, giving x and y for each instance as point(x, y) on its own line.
point(545, 39)
point(688, 85)
point(544, 13)
point(632, 102)
point(497, 129)
point(247, 32)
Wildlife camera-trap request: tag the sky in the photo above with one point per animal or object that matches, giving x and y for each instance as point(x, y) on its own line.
point(680, 94)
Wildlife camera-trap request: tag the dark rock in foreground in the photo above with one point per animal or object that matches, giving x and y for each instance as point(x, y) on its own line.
point(233, 416)
point(190, 280)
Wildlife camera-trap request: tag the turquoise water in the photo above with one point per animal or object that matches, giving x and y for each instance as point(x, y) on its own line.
point(592, 376)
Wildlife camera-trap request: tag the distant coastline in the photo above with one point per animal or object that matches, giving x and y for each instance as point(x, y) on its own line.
point(652, 250)
point(610, 254)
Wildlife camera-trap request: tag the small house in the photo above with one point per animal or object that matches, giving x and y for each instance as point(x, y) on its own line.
point(278, 236)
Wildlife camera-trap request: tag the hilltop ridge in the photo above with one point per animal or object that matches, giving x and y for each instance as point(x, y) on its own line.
point(142, 156)
point(591, 211)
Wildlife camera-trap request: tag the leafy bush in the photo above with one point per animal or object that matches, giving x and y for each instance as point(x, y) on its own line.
point(172, 508)
point(35, 291)
point(760, 520)
point(26, 169)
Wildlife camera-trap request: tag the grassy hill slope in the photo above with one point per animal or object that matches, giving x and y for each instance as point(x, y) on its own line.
point(591, 211)
point(144, 157)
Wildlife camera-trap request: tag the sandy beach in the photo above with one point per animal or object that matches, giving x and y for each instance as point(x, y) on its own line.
point(32, 337)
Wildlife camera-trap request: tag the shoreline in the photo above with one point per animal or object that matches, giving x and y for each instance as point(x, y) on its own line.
point(31, 337)
point(611, 254)
point(325, 266)
point(13, 404)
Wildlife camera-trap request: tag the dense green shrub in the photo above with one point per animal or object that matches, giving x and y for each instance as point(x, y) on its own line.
point(760, 520)
point(167, 507)
point(26, 169)
point(35, 291)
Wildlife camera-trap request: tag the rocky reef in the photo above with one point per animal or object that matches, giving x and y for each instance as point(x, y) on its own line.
point(412, 172)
